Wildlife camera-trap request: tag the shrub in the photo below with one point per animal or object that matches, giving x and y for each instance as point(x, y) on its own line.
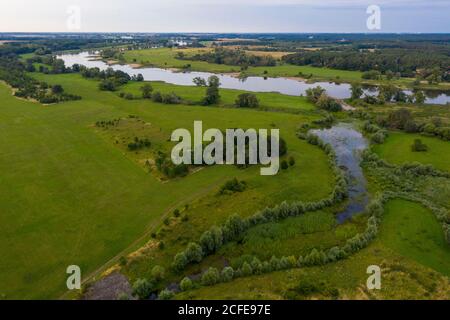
point(227, 274)
point(186, 284)
point(165, 295)
point(291, 161)
point(371, 75)
point(247, 100)
point(327, 103)
point(419, 146)
point(170, 98)
point(146, 91)
point(158, 272)
point(194, 252)
point(233, 185)
point(246, 269)
point(313, 94)
point(284, 165)
point(210, 277)
point(211, 240)
point(157, 97)
point(379, 137)
point(180, 261)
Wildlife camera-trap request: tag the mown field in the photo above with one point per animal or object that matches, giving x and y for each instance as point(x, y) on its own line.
point(70, 196)
point(397, 150)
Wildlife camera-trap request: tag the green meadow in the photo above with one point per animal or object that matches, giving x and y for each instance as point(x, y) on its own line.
point(397, 150)
point(70, 196)
point(413, 232)
point(166, 58)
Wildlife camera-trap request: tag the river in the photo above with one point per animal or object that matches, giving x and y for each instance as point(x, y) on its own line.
point(348, 144)
point(281, 85)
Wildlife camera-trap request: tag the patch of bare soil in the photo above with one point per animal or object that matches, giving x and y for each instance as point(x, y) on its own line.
point(111, 287)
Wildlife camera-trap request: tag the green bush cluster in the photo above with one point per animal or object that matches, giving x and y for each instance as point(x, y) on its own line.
point(233, 185)
point(419, 146)
point(378, 136)
point(247, 100)
point(139, 143)
point(168, 168)
point(319, 97)
point(253, 266)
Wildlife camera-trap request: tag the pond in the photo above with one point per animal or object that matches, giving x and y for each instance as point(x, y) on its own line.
point(348, 144)
point(254, 84)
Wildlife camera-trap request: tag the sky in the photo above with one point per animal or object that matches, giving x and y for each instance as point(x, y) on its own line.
point(425, 16)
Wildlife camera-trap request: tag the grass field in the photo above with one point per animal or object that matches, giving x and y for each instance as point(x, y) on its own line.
point(70, 196)
point(397, 150)
point(165, 58)
point(413, 232)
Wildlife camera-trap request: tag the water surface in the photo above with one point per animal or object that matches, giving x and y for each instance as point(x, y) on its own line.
point(254, 84)
point(348, 143)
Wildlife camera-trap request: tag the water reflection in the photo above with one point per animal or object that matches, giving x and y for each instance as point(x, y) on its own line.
point(348, 143)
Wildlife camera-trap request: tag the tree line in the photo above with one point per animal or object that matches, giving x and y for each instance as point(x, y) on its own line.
point(231, 57)
point(426, 63)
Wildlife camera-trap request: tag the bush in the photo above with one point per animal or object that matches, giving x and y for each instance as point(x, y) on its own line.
point(246, 269)
point(419, 146)
point(146, 91)
point(210, 277)
point(157, 97)
point(107, 85)
point(165, 295)
point(170, 98)
point(327, 103)
point(194, 252)
point(186, 284)
point(379, 137)
point(227, 274)
point(142, 288)
point(233, 185)
point(313, 94)
point(211, 240)
point(158, 273)
point(284, 165)
point(371, 75)
point(291, 161)
point(180, 261)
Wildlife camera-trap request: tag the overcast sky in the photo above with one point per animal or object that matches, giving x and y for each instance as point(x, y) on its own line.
point(223, 15)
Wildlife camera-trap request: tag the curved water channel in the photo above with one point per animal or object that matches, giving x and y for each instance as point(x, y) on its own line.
point(255, 84)
point(348, 143)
